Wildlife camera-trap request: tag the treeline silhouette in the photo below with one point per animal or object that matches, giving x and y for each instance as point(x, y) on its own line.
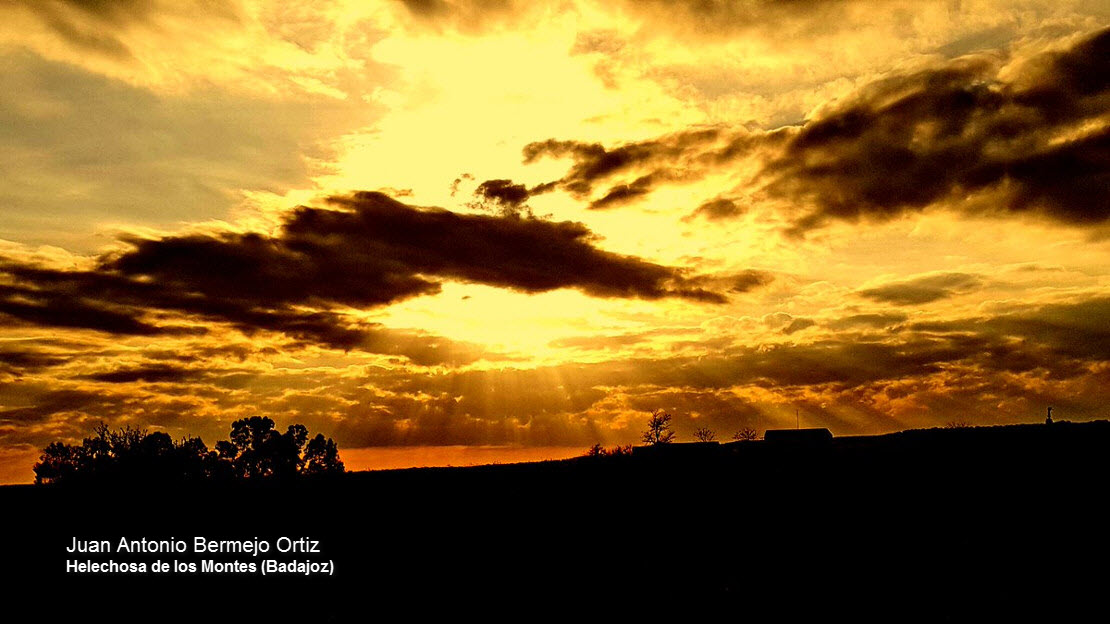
point(255, 450)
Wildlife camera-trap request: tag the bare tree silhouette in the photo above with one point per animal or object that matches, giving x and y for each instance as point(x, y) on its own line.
point(659, 428)
point(746, 434)
point(705, 434)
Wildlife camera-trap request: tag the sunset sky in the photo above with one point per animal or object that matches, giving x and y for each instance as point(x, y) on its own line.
point(447, 231)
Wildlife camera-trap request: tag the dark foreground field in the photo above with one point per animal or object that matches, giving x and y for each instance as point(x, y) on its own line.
point(934, 525)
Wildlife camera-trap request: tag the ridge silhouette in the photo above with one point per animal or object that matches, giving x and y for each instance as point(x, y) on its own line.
point(939, 524)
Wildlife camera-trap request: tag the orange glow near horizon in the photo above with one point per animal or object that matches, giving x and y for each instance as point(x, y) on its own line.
point(394, 458)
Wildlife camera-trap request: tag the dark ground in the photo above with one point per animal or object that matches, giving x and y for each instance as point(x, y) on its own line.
point(924, 525)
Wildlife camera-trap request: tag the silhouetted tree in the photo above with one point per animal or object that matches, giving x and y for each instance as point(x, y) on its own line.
point(600, 451)
point(321, 457)
point(705, 434)
point(659, 428)
point(747, 434)
point(125, 454)
point(59, 462)
point(255, 449)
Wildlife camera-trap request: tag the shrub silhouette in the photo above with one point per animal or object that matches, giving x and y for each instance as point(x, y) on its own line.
point(255, 450)
point(598, 450)
point(747, 434)
point(705, 434)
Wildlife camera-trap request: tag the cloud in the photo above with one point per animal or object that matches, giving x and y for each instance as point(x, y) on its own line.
point(474, 17)
point(22, 359)
point(624, 193)
point(617, 341)
point(715, 19)
point(1036, 135)
point(797, 325)
point(923, 289)
point(979, 134)
point(717, 209)
point(992, 368)
point(685, 18)
point(83, 151)
point(95, 26)
point(1064, 332)
point(503, 192)
point(156, 373)
point(678, 157)
point(51, 402)
point(368, 250)
point(505, 198)
point(749, 280)
point(60, 309)
point(872, 321)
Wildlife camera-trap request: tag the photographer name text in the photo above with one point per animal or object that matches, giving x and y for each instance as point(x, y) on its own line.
point(216, 556)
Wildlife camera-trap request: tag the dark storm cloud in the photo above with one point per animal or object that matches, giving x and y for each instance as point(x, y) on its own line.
point(528, 255)
point(923, 289)
point(81, 300)
point(503, 192)
point(640, 167)
point(1034, 133)
point(371, 251)
point(625, 193)
point(739, 282)
point(61, 309)
point(151, 374)
point(28, 359)
point(504, 197)
point(717, 209)
point(911, 141)
point(594, 162)
point(1071, 331)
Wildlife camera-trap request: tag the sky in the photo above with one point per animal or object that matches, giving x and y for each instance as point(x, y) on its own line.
point(460, 231)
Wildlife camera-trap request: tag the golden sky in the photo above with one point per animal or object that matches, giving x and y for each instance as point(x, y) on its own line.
point(444, 229)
